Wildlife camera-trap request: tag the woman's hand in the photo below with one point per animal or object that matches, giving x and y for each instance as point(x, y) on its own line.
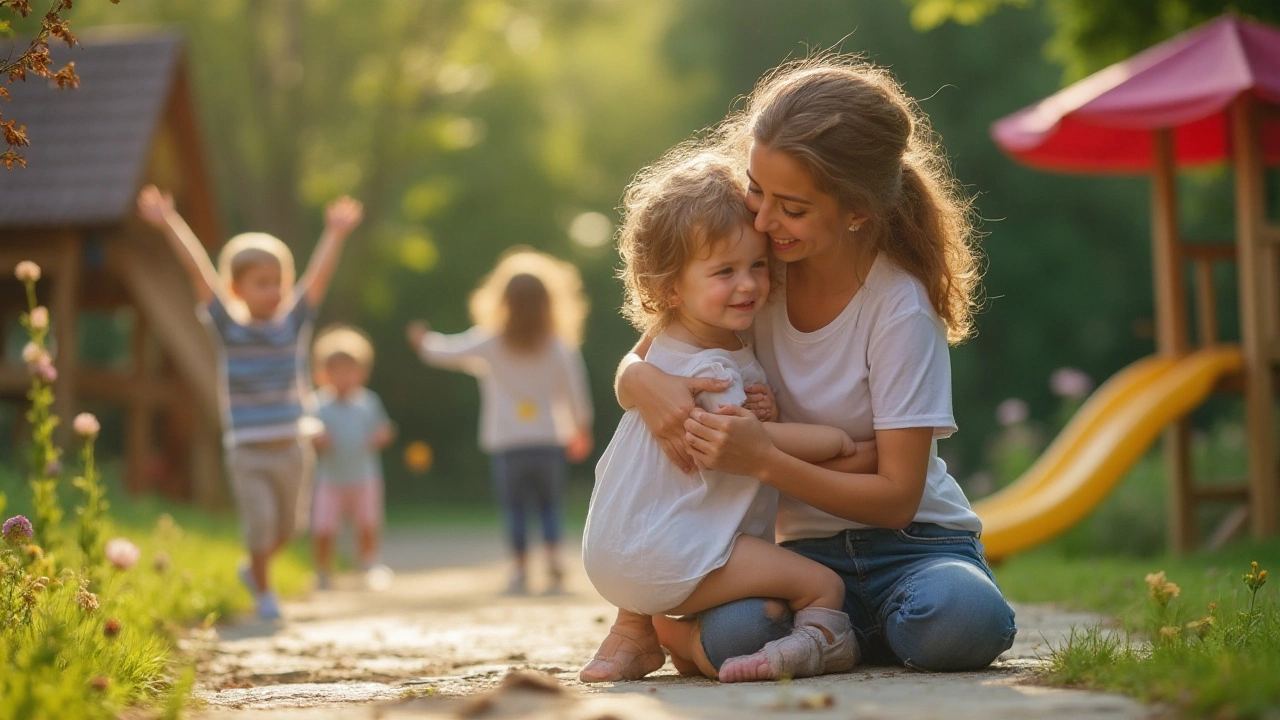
point(664, 402)
point(760, 401)
point(730, 440)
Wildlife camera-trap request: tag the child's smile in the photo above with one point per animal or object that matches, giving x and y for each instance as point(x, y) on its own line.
point(720, 291)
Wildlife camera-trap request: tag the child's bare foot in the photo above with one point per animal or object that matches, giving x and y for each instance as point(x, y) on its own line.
point(630, 652)
point(822, 642)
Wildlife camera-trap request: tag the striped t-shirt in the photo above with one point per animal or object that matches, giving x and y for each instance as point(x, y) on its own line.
point(264, 371)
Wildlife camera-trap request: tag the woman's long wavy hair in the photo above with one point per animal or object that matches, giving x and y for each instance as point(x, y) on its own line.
point(866, 143)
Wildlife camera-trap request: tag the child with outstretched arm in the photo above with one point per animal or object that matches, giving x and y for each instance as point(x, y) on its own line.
point(261, 321)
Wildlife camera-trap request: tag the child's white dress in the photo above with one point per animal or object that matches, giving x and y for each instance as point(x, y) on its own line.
point(654, 532)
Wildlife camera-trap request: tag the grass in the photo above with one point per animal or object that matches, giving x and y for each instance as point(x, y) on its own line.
point(61, 660)
point(1213, 648)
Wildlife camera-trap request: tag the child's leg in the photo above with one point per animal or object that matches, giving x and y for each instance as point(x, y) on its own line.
point(506, 489)
point(630, 651)
point(368, 514)
point(737, 628)
point(550, 498)
point(256, 499)
point(325, 519)
point(822, 640)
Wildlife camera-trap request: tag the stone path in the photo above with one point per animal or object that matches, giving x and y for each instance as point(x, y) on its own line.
point(439, 642)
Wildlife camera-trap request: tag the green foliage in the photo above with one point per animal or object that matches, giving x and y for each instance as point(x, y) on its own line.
point(1092, 34)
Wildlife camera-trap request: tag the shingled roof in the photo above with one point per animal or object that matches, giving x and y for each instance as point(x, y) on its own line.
point(89, 146)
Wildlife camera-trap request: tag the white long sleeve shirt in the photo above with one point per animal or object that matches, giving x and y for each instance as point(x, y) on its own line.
point(526, 399)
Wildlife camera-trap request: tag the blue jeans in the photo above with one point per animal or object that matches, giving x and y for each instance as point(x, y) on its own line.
point(921, 597)
point(525, 479)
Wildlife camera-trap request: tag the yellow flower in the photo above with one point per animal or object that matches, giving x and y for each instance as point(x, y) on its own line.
point(1200, 628)
point(1169, 633)
point(1160, 589)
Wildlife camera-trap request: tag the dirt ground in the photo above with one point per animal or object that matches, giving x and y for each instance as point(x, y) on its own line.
point(441, 640)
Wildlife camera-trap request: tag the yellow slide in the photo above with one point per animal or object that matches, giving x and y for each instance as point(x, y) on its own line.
point(1107, 435)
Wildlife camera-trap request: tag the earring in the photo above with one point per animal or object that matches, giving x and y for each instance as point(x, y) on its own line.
point(854, 227)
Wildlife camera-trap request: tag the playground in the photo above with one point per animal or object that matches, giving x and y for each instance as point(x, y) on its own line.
point(347, 544)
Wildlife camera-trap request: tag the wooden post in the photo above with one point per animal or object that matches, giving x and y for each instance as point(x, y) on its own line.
point(141, 409)
point(1171, 329)
point(1258, 334)
point(65, 311)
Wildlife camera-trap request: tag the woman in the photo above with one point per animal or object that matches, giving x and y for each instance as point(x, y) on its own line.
point(846, 179)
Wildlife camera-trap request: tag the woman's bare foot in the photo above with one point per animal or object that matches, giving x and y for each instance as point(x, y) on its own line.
point(630, 652)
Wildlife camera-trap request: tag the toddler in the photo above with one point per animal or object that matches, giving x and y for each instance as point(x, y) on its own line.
point(535, 408)
point(349, 468)
point(657, 540)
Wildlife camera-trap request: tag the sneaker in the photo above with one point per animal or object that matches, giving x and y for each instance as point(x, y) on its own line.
point(518, 585)
point(378, 577)
point(555, 582)
point(268, 606)
point(245, 573)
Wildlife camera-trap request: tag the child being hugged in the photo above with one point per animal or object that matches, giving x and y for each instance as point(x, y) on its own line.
point(535, 407)
point(662, 542)
point(349, 466)
point(261, 321)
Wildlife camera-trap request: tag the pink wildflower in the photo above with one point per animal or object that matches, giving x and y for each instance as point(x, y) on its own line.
point(45, 372)
point(27, 271)
point(86, 425)
point(17, 530)
point(122, 553)
point(40, 318)
point(33, 354)
point(1069, 382)
point(1013, 411)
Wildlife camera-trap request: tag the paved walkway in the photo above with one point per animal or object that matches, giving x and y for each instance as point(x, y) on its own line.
point(440, 641)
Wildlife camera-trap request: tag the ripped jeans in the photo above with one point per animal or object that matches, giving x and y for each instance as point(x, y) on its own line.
point(922, 597)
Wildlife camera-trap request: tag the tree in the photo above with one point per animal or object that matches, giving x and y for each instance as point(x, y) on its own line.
point(33, 59)
point(1092, 34)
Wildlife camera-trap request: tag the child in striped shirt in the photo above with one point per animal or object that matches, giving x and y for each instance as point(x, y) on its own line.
point(261, 321)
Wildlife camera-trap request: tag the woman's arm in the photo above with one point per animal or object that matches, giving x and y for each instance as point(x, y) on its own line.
point(737, 443)
point(663, 400)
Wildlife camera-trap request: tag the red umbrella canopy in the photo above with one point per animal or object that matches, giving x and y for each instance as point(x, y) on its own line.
point(1102, 124)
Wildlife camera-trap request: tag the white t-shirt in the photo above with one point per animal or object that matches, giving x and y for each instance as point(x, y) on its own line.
point(526, 399)
point(881, 364)
point(654, 532)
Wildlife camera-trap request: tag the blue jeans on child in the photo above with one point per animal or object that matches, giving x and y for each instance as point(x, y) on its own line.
point(922, 597)
point(527, 478)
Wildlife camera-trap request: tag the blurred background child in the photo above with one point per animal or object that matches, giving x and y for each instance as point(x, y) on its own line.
point(261, 322)
point(349, 464)
point(535, 408)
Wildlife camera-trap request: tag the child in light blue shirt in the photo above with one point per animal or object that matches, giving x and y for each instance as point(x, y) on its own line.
point(349, 465)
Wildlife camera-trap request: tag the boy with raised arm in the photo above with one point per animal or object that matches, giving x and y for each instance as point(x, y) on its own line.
point(261, 321)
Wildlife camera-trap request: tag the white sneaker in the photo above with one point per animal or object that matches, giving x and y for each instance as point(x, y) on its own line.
point(378, 577)
point(268, 606)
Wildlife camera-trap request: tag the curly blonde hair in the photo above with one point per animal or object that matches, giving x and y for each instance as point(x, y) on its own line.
point(530, 296)
point(685, 202)
point(866, 143)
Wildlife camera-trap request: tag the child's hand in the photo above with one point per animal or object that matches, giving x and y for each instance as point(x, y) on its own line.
point(381, 437)
point(579, 447)
point(343, 215)
point(322, 442)
point(760, 402)
point(866, 452)
point(415, 331)
point(848, 446)
point(154, 206)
